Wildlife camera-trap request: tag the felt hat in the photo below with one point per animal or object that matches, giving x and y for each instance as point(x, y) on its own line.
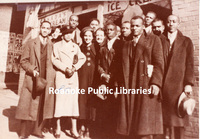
point(186, 105)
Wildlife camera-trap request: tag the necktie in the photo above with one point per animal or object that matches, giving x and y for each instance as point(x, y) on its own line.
point(134, 41)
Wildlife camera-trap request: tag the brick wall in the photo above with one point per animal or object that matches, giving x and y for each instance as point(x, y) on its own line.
point(188, 11)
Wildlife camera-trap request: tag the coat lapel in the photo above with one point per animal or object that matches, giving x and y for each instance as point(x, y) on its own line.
point(142, 43)
point(37, 49)
point(126, 61)
point(93, 49)
point(176, 45)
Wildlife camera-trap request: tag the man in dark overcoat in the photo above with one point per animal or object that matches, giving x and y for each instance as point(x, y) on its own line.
point(107, 71)
point(140, 114)
point(158, 28)
point(36, 61)
point(178, 77)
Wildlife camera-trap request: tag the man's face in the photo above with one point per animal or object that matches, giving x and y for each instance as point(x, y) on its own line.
point(100, 36)
point(111, 31)
point(73, 21)
point(67, 37)
point(172, 23)
point(88, 37)
point(149, 18)
point(137, 26)
point(45, 29)
point(126, 29)
point(94, 25)
point(158, 27)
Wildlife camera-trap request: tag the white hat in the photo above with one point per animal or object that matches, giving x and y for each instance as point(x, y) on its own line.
point(186, 105)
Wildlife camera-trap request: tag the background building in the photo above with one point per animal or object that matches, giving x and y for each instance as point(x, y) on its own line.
point(14, 18)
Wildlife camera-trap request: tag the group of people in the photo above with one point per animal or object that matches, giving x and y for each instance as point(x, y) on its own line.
point(143, 55)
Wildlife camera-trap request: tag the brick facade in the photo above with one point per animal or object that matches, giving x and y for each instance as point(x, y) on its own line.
point(188, 11)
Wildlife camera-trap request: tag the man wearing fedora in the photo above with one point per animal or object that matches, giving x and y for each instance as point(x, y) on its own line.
point(178, 79)
point(35, 103)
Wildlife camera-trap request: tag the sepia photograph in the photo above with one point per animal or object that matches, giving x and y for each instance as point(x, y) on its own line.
point(109, 69)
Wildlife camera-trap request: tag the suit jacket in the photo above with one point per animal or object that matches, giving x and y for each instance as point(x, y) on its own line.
point(179, 72)
point(140, 114)
point(30, 60)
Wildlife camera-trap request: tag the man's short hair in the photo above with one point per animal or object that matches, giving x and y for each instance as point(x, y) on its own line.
point(100, 29)
point(45, 21)
point(138, 17)
point(95, 19)
point(178, 18)
point(152, 13)
point(73, 15)
point(158, 20)
point(111, 23)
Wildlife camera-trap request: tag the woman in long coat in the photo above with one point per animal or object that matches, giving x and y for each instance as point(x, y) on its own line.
point(63, 59)
point(86, 80)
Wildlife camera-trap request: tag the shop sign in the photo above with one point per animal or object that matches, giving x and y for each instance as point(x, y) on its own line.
point(60, 18)
point(114, 6)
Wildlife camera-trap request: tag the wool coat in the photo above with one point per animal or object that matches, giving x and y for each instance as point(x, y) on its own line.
point(107, 61)
point(140, 114)
point(28, 105)
point(87, 79)
point(179, 72)
point(63, 56)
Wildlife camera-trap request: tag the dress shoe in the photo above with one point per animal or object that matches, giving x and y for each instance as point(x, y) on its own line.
point(74, 136)
point(81, 132)
point(38, 136)
point(22, 137)
point(87, 134)
point(51, 130)
point(57, 136)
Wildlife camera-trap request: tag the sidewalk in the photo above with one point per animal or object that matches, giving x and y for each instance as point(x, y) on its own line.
point(9, 126)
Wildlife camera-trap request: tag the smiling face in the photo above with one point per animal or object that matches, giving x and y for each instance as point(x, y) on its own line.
point(100, 36)
point(172, 23)
point(137, 26)
point(88, 37)
point(45, 29)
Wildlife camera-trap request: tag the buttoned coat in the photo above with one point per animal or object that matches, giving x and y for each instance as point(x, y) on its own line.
point(140, 114)
point(28, 103)
point(179, 72)
point(62, 58)
point(87, 78)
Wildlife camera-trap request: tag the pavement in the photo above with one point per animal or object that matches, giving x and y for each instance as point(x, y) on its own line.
point(9, 126)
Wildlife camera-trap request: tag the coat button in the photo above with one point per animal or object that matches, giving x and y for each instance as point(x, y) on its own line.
point(88, 48)
point(88, 58)
point(87, 53)
point(142, 61)
point(88, 64)
point(142, 74)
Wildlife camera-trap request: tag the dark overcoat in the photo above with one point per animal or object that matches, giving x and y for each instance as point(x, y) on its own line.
point(179, 72)
point(140, 114)
point(28, 105)
point(87, 79)
point(106, 63)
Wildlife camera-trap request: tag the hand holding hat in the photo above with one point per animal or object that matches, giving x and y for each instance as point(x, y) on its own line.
point(186, 104)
